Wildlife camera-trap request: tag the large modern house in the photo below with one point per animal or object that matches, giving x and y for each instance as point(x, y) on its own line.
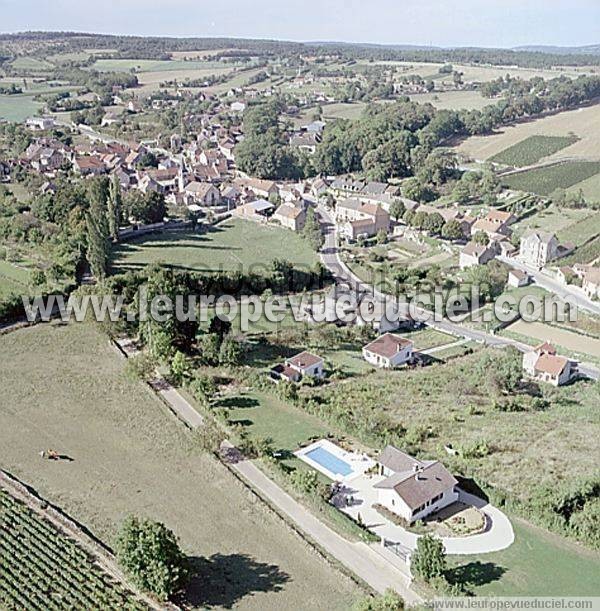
point(413, 488)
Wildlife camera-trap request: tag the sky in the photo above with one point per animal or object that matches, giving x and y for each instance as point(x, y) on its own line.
point(486, 23)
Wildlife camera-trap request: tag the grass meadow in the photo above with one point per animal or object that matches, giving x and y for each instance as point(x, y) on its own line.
point(130, 455)
point(235, 245)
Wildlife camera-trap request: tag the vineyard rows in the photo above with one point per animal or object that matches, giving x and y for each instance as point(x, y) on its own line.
point(42, 569)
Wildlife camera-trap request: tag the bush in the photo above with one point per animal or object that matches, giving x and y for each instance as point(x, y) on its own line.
point(304, 481)
point(140, 367)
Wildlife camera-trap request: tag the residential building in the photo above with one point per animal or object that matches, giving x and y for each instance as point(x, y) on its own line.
point(260, 188)
point(388, 351)
point(202, 193)
point(538, 248)
point(518, 278)
point(591, 282)
point(495, 224)
point(89, 166)
point(475, 254)
point(413, 488)
point(40, 123)
point(290, 216)
point(358, 219)
point(543, 364)
point(307, 364)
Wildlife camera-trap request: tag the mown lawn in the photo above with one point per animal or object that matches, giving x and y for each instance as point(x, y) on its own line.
point(64, 389)
point(235, 245)
point(532, 149)
point(543, 181)
point(536, 564)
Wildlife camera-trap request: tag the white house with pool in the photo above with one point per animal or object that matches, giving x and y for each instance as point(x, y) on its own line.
point(335, 462)
point(413, 488)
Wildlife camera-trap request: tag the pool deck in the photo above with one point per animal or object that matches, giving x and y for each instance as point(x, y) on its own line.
point(358, 463)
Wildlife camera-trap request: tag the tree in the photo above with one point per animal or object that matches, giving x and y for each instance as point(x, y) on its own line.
point(230, 351)
point(312, 230)
point(209, 346)
point(434, 223)
point(452, 230)
point(148, 208)
point(429, 559)
point(149, 554)
point(397, 209)
point(461, 192)
point(114, 207)
point(97, 228)
point(203, 387)
point(381, 236)
point(304, 481)
point(481, 238)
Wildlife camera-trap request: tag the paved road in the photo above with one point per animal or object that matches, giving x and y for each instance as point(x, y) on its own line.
point(545, 281)
point(331, 260)
point(360, 558)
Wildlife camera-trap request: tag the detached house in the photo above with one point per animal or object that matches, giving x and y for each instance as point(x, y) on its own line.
point(296, 367)
point(290, 216)
point(538, 247)
point(543, 364)
point(495, 224)
point(412, 488)
point(388, 351)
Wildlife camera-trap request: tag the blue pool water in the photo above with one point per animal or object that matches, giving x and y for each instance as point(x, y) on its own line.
point(329, 461)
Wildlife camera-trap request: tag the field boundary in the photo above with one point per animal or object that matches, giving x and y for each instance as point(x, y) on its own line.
point(72, 529)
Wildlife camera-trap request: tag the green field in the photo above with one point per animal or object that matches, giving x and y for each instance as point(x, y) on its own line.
point(39, 564)
point(580, 232)
point(150, 65)
point(532, 149)
point(590, 188)
point(536, 564)
point(543, 181)
point(453, 100)
point(18, 107)
point(130, 455)
point(233, 245)
point(12, 279)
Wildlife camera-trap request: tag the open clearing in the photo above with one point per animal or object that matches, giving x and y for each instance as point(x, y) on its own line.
point(545, 180)
point(233, 245)
point(537, 564)
point(571, 341)
point(453, 100)
point(131, 456)
point(590, 188)
point(552, 219)
point(583, 122)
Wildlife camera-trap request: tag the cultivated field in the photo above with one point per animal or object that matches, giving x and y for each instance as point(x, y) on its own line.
point(583, 122)
point(554, 220)
point(545, 180)
point(590, 188)
point(130, 455)
point(41, 568)
point(234, 245)
point(532, 149)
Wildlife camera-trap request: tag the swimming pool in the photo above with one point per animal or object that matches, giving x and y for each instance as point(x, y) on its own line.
point(329, 461)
